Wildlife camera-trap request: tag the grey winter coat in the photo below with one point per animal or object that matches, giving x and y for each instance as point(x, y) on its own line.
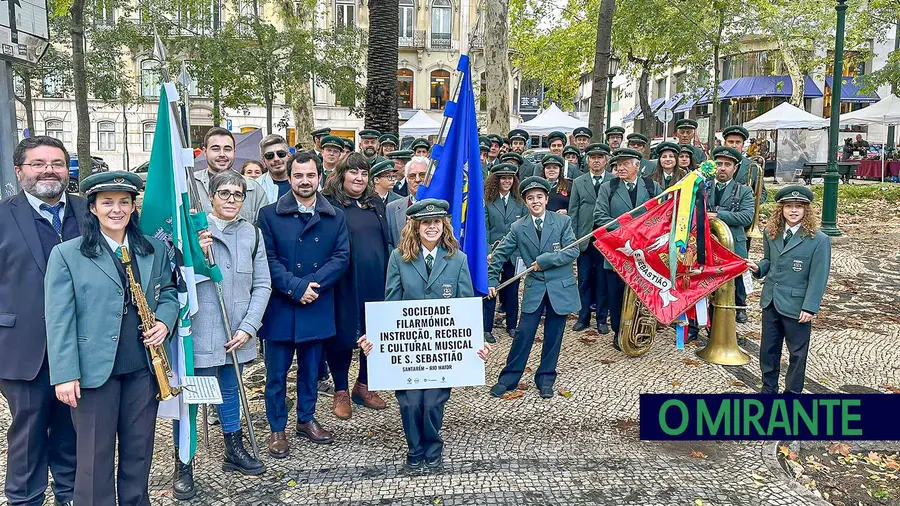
point(246, 286)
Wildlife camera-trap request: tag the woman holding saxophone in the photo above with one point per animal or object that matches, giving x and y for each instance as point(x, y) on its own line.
point(110, 304)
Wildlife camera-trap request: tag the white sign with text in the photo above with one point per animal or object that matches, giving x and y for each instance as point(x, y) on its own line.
point(425, 343)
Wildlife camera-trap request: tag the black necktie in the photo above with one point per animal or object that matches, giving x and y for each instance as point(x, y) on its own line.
point(787, 237)
point(597, 181)
point(539, 226)
point(54, 210)
point(429, 262)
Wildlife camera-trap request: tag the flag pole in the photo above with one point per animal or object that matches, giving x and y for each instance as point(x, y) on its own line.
point(210, 259)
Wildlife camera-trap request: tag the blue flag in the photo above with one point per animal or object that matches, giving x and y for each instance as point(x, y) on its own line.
point(458, 179)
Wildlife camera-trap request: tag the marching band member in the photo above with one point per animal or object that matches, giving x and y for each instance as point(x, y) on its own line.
point(96, 339)
point(559, 186)
point(686, 158)
point(686, 130)
point(582, 137)
point(239, 252)
point(796, 264)
point(614, 136)
point(40, 433)
point(667, 170)
point(426, 261)
point(550, 290)
point(591, 274)
point(503, 207)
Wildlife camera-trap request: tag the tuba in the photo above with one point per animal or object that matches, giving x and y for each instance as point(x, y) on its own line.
point(753, 231)
point(161, 367)
point(638, 325)
point(722, 347)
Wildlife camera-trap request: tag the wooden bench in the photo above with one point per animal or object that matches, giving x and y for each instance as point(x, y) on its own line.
point(846, 170)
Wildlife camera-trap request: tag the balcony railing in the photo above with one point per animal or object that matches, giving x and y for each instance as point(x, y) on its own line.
point(440, 41)
point(417, 41)
point(478, 42)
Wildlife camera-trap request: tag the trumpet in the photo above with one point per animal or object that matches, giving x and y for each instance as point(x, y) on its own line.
point(161, 367)
point(753, 231)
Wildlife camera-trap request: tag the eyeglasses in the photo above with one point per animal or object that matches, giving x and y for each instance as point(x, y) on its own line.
point(416, 176)
point(44, 165)
point(227, 194)
point(270, 155)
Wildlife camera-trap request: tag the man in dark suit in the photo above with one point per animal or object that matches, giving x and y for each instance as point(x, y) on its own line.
point(31, 223)
point(396, 210)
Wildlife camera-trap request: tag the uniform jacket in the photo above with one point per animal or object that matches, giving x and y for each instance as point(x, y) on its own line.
point(449, 277)
point(699, 155)
point(401, 188)
point(557, 277)
point(254, 200)
point(647, 167)
point(246, 287)
point(610, 206)
point(737, 220)
point(581, 204)
point(84, 305)
point(396, 219)
point(347, 312)
point(390, 197)
point(741, 177)
point(498, 220)
point(528, 169)
point(298, 255)
point(23, 336)
point(659, 176)
point(795, 274)
point(572, 171)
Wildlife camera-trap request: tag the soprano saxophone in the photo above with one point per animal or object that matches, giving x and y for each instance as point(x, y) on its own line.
point(161, 367)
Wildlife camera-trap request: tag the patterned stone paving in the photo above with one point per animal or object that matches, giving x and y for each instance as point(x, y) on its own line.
point(583, 450)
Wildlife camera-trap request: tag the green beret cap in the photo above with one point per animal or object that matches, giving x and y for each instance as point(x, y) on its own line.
point(687, 148)
point(369, 134)
point(380, 168)
point(389, 138)
point(727, 152)
point(736, 129)
point(504, 169)
point(113, 180)
point(556, 135)
point(571, 149)
point(484, 144)
point(421, 142)
point(333, 141)
point(582, 132)
point(320, 132)
point(551, 159)
point(636, 137)
point(512, 156)
point(495, 138)
point(427, 209)
point(518, 135)
point(349, 144)
point(401, 154)
point(794, 193)
point(685, 123)
point(614, 130)
point(533, 182)
point(597, 148)
point(667, 146)
point(623, 153)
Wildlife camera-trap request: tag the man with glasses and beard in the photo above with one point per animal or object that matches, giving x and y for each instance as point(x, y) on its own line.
point(40, 434)
point(368, 143)
point(273, 150)
point(218, 146)
point(396, 210)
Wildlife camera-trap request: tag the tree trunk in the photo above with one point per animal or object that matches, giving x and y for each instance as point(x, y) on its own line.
point(28, 103)
point(216, 108)
point(126, 154)
point(714, 114)
point(381, 67)
point(304, 114)
point(648, 124)
point(79, 83)
point(496, 52)
point(798, 80)
point(270, 99)
point(597, 119)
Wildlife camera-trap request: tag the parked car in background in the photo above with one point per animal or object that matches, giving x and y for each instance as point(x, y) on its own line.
point(97, 165)
point(141, 171)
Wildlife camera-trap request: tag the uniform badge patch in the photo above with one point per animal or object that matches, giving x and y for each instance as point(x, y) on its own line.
point(447, 291)
point(156, 290)
point(556, 246)
point(797, 265)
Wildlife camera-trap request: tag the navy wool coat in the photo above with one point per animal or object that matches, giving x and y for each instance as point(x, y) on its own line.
point(299, 254)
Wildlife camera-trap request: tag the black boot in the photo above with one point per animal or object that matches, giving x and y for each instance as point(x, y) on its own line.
point(183, 482)
point(237, 458)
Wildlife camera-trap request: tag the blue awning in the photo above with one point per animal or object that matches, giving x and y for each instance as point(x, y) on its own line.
point(653, 106)
point(762, 86)
point(631, 115)
point(689, 101)
point(850, 91)
point(672, 102)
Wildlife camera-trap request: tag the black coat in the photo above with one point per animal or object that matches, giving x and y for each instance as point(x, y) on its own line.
point(23, 335)
point(347, 311)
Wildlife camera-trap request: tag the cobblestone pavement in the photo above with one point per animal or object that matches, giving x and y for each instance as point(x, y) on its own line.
point(581, 450)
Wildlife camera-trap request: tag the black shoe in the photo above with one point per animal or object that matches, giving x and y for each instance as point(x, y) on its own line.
point(579, 326)
point(603, 328)
point(547, 392)
point(414, 463)
point(616, 343)
point(325, 388)
point(433, 465)
point(593, 307)
point(489, 338)
point(740, 316)
point(512, 333)
point(237, 458)
point(693, 335)
point(57, 502)
point(498, 390)
point(501, 310)
point(183, 481)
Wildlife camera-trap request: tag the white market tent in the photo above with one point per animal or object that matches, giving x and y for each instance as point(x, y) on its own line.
point(551, 120)
point(420, 125)
point(787, 116)
point(884, 112)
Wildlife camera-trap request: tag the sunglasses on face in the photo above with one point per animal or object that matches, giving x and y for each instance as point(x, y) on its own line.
point(226, 194)
point(272, 154)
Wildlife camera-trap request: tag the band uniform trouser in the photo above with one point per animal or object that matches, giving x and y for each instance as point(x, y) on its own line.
point(509, 298)
point(592, 286)
point(422, 414)
point(778, 329)
point(615, 290)
point(554, 325)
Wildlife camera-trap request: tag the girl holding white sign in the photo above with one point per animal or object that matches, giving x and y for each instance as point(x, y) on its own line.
point(427, 264)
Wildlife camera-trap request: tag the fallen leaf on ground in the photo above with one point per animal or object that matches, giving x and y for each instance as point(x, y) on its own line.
point(291, 483)
point(738, 384)
point(694, 363)
point(513, 395)
point(892, 464)
point(528, 369)
point(676, 383)
point(698, 502)
point(893, 390)
point(587, 340)
point(606, 361)
point(842, 448)
point(522, 386)
point(793, 456)
point(698, 455)
point(874, 457)
point(784, 450)
point(592, 332)
point(565, 393)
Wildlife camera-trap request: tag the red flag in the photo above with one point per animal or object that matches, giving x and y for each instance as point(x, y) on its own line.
point(639, 251)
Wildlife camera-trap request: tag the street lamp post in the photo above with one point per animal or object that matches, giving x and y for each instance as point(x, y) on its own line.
point(613, 69)
point(829, 204)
